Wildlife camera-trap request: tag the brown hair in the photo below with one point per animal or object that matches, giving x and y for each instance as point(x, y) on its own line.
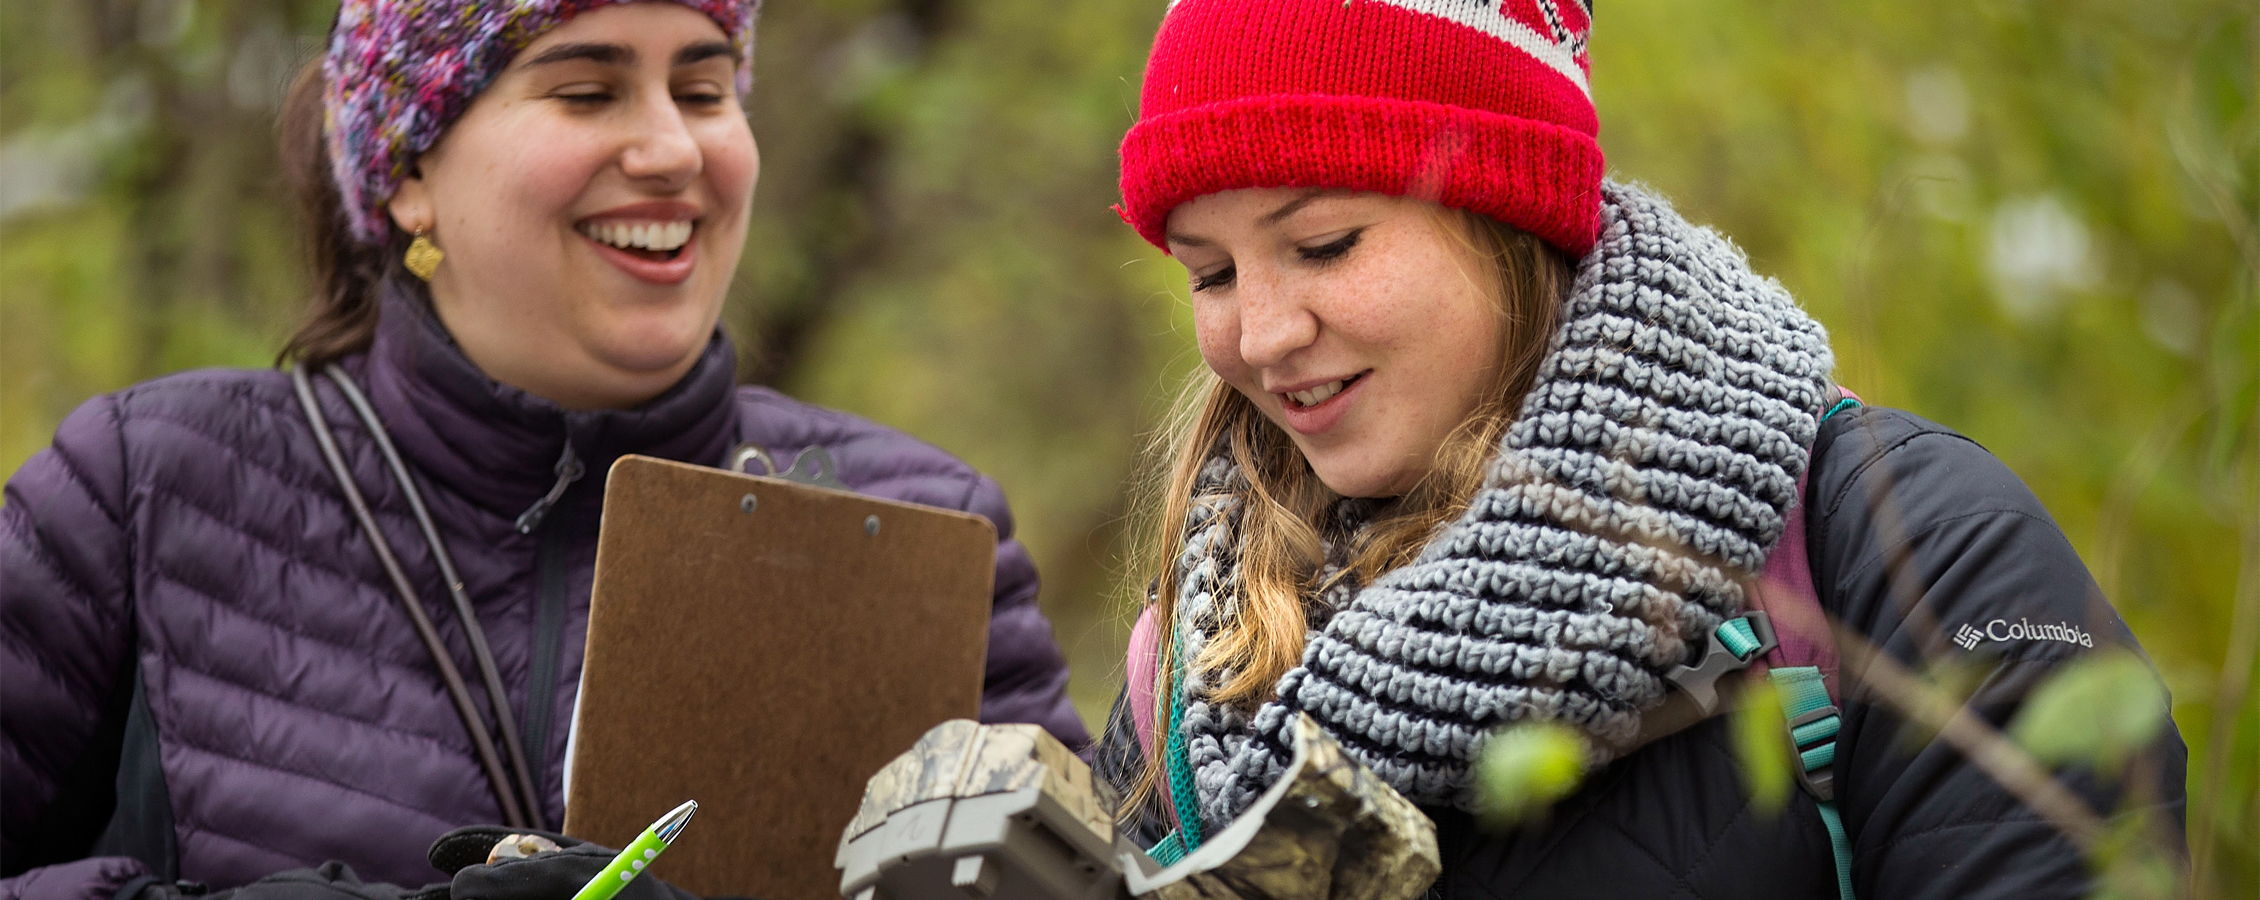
point(1280, 540)
point(343, 319)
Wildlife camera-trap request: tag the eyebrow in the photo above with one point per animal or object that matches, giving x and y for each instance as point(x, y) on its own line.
point(607, 54)
point(706, 50)
point(620, 54)
point(1273, 217)
point(1293, 206)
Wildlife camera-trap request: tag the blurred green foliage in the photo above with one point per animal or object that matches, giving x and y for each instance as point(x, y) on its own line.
point(2098, 711)
point(1524, 769)
point(1761, 746)
point(2036, 222)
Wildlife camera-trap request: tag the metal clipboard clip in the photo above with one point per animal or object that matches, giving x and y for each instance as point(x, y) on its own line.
point(811, 466)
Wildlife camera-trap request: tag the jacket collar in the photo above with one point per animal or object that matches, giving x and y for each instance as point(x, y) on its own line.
point(501, 447)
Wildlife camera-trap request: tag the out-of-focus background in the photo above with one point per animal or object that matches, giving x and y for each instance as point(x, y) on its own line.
point(2035, 222)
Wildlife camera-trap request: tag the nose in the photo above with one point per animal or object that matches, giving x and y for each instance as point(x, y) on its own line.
point(663, 153)
point(1274, 321)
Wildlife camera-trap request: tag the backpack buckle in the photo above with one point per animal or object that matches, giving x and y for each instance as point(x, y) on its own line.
point(1751, 631)
point(1812, 744)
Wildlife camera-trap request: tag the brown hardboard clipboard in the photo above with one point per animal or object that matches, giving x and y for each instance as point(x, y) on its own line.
point(764, 646)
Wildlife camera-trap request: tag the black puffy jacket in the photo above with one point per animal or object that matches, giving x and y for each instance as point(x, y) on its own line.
point(1914, 532)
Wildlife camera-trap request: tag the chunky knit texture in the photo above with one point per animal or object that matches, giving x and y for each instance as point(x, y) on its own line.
point(1646, 477)
point(398, 72)
point(1475, 104)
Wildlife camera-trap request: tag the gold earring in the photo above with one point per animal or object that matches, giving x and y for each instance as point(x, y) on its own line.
point(423, 256)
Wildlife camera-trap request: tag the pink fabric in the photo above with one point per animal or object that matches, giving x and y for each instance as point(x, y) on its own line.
point(1785, 594)
point(1144, 673)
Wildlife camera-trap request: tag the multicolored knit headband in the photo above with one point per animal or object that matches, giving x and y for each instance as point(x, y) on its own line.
point(1482, 105)
point(398, 72)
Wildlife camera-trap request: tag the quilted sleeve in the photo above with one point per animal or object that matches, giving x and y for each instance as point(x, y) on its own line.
point(66, 639)
point(1026, 679)
point(1935, 552)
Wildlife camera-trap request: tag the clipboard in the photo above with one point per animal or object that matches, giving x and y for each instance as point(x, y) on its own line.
point(763, 646)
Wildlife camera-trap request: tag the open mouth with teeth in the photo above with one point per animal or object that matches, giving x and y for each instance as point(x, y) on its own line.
point(1306, 399)
point(656, 241)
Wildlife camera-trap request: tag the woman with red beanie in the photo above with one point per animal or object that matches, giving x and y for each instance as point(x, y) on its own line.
point(1487, 439)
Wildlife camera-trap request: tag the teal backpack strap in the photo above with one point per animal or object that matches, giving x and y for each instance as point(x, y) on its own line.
point(1813, 723)
point(1801, 667)
point(1183, 800)
point(1841, 405)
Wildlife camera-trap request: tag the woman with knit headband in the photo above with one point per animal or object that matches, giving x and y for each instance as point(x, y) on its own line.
point(1488, 439)
point(525, 216)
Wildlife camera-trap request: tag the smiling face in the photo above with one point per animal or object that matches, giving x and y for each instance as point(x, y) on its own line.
point(1354, 321)
point(591, 204)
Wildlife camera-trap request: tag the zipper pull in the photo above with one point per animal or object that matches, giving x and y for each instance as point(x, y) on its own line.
point(568, 471)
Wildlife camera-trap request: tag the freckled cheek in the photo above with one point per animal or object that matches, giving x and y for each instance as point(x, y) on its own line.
point(1372, 318)
point(1465, 366)
point(1218, 335)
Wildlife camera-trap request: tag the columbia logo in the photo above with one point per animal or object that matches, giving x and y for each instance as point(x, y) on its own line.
point(1968, 636)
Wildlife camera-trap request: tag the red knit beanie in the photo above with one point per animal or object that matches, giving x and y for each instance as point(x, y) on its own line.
point(1481, 105)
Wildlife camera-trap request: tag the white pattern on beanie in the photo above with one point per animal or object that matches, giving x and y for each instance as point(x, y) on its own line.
point(1561, 46)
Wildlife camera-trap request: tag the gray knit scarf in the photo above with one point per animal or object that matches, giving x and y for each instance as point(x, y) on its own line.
point(1641, 486)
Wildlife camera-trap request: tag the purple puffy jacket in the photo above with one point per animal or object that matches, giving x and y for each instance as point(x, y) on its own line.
point(192, 623)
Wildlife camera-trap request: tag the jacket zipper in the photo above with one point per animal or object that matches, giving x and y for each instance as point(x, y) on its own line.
point(549, 623)
point(568, 470)
point(549, 634)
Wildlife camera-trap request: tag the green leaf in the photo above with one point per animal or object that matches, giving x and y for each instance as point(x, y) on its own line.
point(1525, 768)
point(1761, 744)
point(2097, 711)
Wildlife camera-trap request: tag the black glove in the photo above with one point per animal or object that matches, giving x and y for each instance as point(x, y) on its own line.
point(462, 854)
point(552, 875)
point(332, 880)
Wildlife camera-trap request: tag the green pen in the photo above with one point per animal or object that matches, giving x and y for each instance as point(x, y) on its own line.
point(640, 852)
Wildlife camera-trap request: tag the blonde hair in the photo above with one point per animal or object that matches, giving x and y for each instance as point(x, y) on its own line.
point(1280, 544)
